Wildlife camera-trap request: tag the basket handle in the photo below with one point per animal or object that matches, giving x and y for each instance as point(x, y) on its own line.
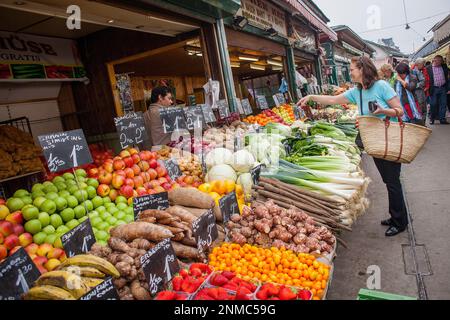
point(388, 118)
point(402, 127)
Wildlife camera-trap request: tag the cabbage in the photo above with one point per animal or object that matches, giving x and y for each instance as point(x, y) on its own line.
point(245, 180)
point(218, 156)
point(221, 172)
point(243, 161)
point(278, 128)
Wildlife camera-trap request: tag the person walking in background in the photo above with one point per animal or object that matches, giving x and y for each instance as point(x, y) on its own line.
point(439, 87)
point(388, 74)
point(423, 86)
point(405, 86)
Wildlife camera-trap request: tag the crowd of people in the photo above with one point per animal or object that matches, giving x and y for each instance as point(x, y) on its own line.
point(423, 88)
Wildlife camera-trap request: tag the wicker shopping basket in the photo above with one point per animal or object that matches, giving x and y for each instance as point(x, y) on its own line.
point(393, 141)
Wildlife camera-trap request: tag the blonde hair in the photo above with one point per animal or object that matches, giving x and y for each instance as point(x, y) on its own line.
point(386, 67)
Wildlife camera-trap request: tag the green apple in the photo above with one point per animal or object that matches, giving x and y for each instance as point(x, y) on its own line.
point(80, 211)
point(33, 226)
point(61, 186)
point(109, 206)
point(111, 221)
point(81, 173)
point(129, 211)
point(27, 200)
point(102, 243)
point(14, 204)
point(73, 188)
point(93, 183)
point(38, 201)
point(58, 179)
point(58, 242)
point(70, 183)
point(50, 188)
point(121, 199)
point(52, 195)
point(49, 229)
point(102, 235)
point(56, 220)
point(48, 206)
point(62, 229)
point(44, 218)
point(72, 201)
point(83, 185)
point(122, 206)
point(88, 204)
point(91, 191)
point(106, 200)
point(47, 183)
point(30, 213)
point(93, 214)
point(105, 215)
point(81, 195)
point(72, 224)
point(36, 194)
point(21, 193)
point(119, 215)
point(82, 219)
point(37, 187)
point(67, 214)
point(128, 218)
point(82, 180)
point(97, 201)
point(113, 210)
point(39, 238)
point(96, 221)
point(119, 222)
point(100, 209)
point(68, 176)
point(103, 226)
point(51, 238)
point(61, 203)
point(94, 229)
point(64, 193)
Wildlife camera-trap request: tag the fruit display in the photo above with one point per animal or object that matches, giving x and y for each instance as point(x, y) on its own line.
point(18, 153)
point(72, 279)
point(269, 225)
point(231, 282)
point(265, 117)
point(100, 153)
point(132, 174)
point(276, 265)
point(224, 137)
point(189, 280)
point(271, 291)
point(192, 145)
point(234, 116)
point(219, 188)
point(45, 256)
point(286, 112)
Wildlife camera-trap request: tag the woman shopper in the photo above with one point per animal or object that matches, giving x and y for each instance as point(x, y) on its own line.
point(406, 86)
point(388, 74)
point(368, 89)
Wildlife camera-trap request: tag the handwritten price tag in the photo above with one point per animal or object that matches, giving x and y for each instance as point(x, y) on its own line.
point(205, 230)
point(78, 240)
point(131, 129)
point(228, 206)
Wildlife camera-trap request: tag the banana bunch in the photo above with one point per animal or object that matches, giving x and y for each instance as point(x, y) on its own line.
point(75, 277)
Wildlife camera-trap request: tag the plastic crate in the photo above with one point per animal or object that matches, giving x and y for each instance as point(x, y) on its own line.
point(365, 294)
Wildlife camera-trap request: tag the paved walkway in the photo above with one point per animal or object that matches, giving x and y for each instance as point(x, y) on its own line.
point(427, 187)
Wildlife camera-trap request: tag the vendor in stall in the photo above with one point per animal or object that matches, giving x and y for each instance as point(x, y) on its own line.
point(161, 97)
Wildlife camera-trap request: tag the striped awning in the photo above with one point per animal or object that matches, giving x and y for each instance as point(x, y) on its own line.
point(312, 17)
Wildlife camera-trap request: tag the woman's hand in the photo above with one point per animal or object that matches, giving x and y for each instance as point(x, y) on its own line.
point(380, 111)
point(303, 101)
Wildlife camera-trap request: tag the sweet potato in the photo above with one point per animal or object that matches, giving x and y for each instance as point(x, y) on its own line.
point(139, 292)
point(182, 213)
point(184, 251)
point(174, 230)
point(189, 241)
point(157, 214)
point(144, 230)
point(190, 197)
point(195, 211)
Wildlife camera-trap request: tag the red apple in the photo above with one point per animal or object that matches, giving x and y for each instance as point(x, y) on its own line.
point(189, 179)
point(109, 160)
point(13, 250)
point(161, 171)
point(128, 162)
point(166, 186)
point(136, 158)
point(136, 169)
point(41, 268)
point(124, 154)
point(103, 190)
point(116, 158)
point(31, 248)
point(144, 165)
point(113, 194)
point(162, 180)
point(144, 155)
point(147, 185)
point(153, 163)
point(18, 229)
point(196, 184)
point(154, 184)
point(141, 191)
point(3, 252)
point(126, 191)
point(55, 253)
point(153, 174)
point(145, 176)
point(2, 201)
point(120, 173)
point(25, 239)
point(129, 182)
point(6, 228)
point(40, 260)
point(159, 189)
point(105, 177)
point(108, 166)
point(11, 241)
point(129, 173)
point(117, 181)
point(151, 191)
point(15, 217)
point(183, 184)
point(138, 181)
point(2, 238)
point(133, 151)
point(93, 172)
point(44, 249)
point(180, 178)
point(119, 164)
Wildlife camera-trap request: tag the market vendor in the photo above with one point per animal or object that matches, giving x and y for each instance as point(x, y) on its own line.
point(161, 98)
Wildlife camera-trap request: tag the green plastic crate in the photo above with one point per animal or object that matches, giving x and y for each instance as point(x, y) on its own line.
point(365, 294)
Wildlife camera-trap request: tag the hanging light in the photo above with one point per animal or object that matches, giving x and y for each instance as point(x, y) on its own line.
point(248, 58)
point(277, 68)
point(407, 27)
point(257, 67)
point(235, 64)
point(274, 63)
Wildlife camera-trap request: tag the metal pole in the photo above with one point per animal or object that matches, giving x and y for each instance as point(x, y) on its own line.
point(291, 72)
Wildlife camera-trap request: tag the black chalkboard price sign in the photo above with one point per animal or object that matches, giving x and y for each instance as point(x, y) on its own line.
point(208, 114)
point(78, 240)
point(205, 230)
point(65, 150)
point(255, 173)
point(246, 106)
point(228, 206)
point(173, 170)
point(157, 201)
point(104, 291)
point(224, 111)
point(131, 129)
point(261, 102)
point(159, 265)
point(194, 117)
point(172, 119)
point(280, 97)
point(17, 275)
point(239, 106)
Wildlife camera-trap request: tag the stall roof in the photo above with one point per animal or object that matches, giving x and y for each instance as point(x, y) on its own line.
point(346, 34)
point(390, 51)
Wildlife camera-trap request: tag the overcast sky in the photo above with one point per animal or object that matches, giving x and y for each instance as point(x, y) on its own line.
point(353, 13)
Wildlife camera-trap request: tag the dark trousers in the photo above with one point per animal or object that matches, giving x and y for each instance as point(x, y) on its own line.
point(438, 106)
point(390, 173)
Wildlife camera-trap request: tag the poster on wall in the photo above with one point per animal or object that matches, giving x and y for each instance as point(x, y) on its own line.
point(29, 57)
point(264, 15)
point(124, 86)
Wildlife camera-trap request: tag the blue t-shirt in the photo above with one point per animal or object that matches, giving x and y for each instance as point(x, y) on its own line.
point(380, 92)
